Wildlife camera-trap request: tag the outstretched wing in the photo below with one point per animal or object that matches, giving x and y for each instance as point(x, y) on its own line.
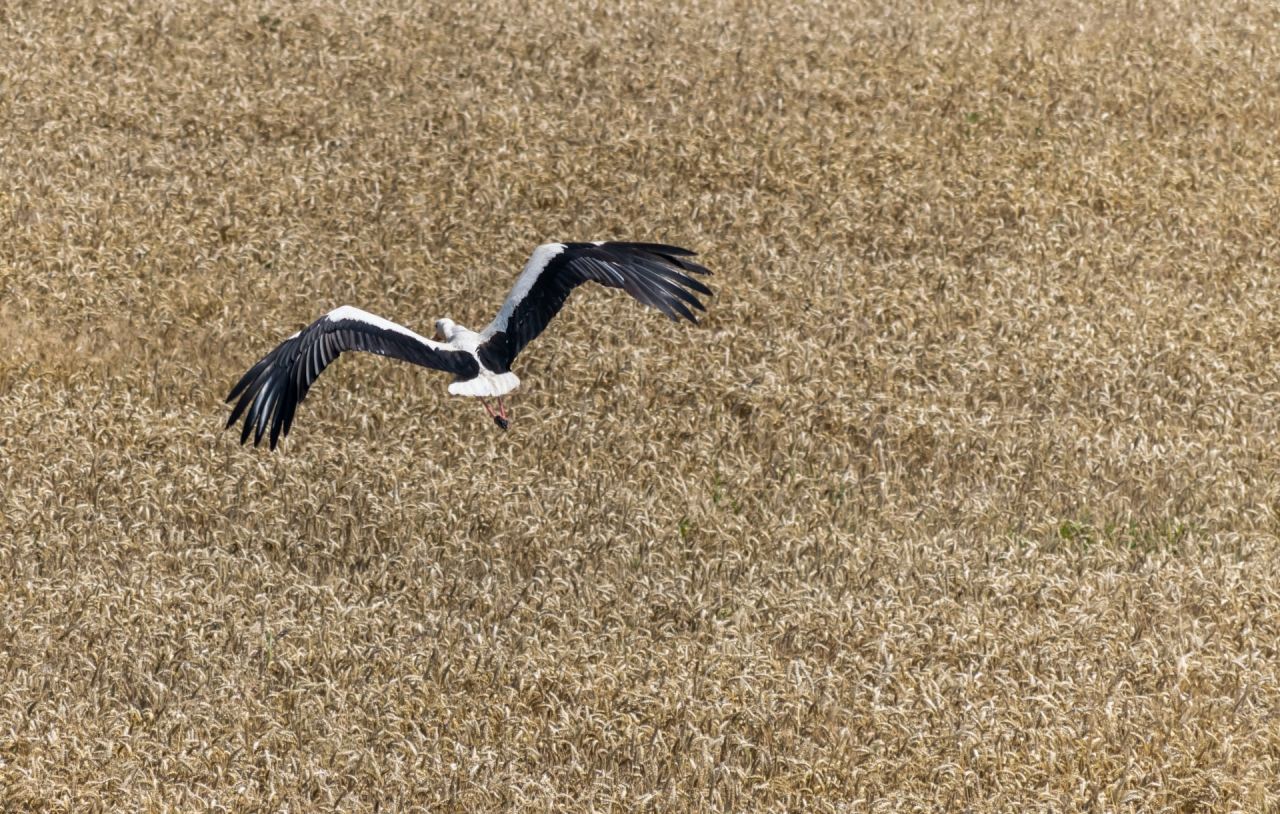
point(652, 273)
point(272, 388)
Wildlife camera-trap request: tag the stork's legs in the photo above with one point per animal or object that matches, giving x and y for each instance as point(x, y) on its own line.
point(500, 420)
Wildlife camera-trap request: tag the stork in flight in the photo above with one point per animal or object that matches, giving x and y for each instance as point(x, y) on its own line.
point(480, 362)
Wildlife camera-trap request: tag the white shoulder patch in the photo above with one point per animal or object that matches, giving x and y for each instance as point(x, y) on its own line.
point(538, 262)
point(348, 312)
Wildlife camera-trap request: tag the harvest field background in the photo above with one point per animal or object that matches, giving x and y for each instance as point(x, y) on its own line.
point(962, 495)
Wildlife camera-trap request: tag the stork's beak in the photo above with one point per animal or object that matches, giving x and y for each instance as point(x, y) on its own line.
point(438, 337)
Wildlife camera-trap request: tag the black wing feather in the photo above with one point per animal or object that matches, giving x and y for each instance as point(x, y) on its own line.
point(272, 389)
point(653, 273)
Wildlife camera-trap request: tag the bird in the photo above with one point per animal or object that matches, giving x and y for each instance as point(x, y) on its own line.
point(653, 273)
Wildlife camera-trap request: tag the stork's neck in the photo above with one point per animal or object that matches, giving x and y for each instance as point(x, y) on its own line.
point(458, 336)
point(447, 329)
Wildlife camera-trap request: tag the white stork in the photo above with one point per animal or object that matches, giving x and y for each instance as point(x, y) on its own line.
point(480, 362)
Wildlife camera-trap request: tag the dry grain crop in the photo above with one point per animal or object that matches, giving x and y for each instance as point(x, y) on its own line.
point(962, 496)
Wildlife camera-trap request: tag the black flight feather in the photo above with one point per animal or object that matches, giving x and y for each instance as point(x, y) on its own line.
point(653, 273)
point(272, 389)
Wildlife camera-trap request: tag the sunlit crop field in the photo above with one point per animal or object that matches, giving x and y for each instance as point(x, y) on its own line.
point(961, 496)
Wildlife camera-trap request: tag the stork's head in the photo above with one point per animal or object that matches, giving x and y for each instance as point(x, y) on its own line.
point(445, 329)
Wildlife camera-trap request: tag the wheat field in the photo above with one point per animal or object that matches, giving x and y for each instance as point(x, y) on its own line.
point(961, 496)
